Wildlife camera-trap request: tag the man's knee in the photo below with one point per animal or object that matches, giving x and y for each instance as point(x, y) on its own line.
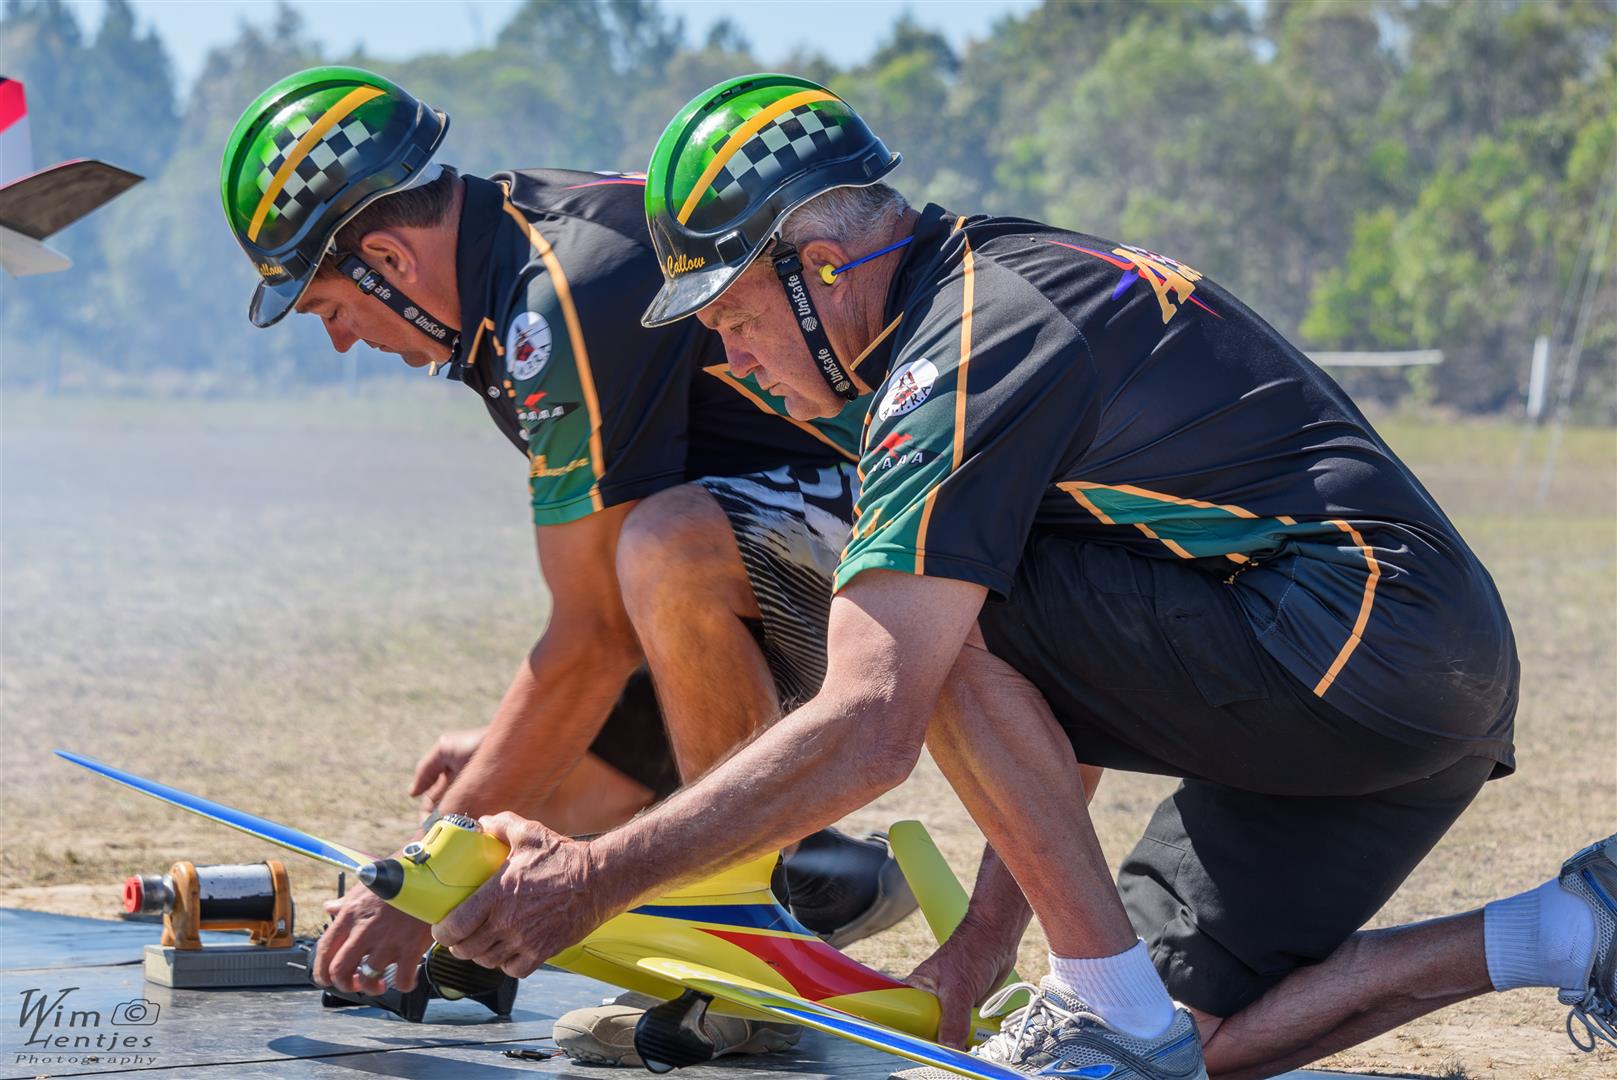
point(679, 541)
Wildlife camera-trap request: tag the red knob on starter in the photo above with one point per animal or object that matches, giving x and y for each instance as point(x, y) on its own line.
point(134, 894)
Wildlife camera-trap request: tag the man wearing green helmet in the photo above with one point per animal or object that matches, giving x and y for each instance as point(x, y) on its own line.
point(684, 526)
point(1107, 515)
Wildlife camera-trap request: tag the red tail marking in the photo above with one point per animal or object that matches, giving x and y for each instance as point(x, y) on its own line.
point(814, 969)
point(13, 106)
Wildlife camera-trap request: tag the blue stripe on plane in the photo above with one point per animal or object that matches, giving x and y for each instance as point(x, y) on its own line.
point(907, 1045)
point(1085, 1072)
point(252, 824)
point(747, 916)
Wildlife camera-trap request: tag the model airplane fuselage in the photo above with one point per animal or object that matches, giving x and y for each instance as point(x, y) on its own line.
point(726, 939)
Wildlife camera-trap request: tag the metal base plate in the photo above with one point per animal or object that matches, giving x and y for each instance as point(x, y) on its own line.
point(79, 1005)
point(214, 966)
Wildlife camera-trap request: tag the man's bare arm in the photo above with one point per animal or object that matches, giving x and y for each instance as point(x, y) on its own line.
point(564, 690)
point(556, 704)
point(893, 639)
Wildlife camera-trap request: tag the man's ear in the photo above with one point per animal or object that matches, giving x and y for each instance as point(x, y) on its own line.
point(392, 252)
point(818, 253)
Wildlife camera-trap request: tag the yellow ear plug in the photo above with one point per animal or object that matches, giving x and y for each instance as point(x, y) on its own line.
point(828, 275)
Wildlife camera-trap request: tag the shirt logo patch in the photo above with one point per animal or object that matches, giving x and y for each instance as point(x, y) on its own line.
point(527, 345)
point(535, 410)
point(539, 465)
point(910, 385)
point(1170, 280)
point(900, 450)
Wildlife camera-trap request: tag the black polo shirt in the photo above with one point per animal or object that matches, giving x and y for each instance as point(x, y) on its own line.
point(1039, 379)
point(554, 268)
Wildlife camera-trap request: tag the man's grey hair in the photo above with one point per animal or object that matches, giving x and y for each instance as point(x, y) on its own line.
point(845, 215)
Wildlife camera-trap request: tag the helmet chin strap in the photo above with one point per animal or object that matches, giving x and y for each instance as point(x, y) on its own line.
point(370, 281)
point(789, 268)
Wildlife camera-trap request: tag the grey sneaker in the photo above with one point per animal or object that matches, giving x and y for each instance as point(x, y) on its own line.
point(1056, 1035)
point(1591, 875)
point(604, 1034)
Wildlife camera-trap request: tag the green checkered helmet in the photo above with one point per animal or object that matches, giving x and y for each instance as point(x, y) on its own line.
point(732, 165)
point(308, 155)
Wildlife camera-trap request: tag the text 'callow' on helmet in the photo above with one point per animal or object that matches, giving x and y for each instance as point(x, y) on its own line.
point(729, 168)
point(311, 152)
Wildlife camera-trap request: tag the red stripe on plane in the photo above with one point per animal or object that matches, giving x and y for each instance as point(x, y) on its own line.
point(814, 969)
point(13, 106)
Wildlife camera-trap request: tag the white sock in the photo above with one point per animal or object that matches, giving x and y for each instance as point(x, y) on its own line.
point(1124, 990)
point(1542, 937)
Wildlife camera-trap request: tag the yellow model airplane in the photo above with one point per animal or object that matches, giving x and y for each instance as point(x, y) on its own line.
point(725, 942)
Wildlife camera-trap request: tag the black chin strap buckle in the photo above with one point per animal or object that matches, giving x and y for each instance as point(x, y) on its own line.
point(789, 268)
point(370, 281)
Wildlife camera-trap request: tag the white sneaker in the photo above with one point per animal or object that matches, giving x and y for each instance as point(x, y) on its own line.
point(1057, 1035)
point(604, 1034)
point(1591, 875)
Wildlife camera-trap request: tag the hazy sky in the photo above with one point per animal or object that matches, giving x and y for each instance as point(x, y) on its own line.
point(844, 30)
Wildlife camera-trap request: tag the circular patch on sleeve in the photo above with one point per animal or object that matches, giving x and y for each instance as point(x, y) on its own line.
point(527, 345)
point(909, 386)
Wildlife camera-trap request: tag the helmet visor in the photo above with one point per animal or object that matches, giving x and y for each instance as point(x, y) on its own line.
point(689, 293)
point(270, 303)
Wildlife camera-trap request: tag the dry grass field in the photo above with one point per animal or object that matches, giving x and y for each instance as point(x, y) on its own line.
point(280, 604)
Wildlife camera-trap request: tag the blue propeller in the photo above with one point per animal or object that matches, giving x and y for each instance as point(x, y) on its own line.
point(251, 824)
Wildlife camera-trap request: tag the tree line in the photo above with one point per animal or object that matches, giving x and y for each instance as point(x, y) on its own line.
point(1366, 174)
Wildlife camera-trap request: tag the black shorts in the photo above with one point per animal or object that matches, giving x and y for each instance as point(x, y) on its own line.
point(1294, 823)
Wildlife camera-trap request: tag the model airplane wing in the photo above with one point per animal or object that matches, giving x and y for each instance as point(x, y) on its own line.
point(797, 1010)
point(264, 829)
point(50, 200)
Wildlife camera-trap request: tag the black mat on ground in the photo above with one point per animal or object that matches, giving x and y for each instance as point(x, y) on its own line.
point(77, 1004)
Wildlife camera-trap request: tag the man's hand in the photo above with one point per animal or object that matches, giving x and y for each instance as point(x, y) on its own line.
point(965, 970)
point(366, 930)
point(536, 905)
point(439, 766)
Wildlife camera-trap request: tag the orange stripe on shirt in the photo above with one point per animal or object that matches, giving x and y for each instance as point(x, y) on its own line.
point(1365, 605)
point(575, 334)
point(1145, 493)
point(1076, 489)
point(722, 373)
point(1169, 544)
point(1071, 488)
point(881, 337)
point(968, 267)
